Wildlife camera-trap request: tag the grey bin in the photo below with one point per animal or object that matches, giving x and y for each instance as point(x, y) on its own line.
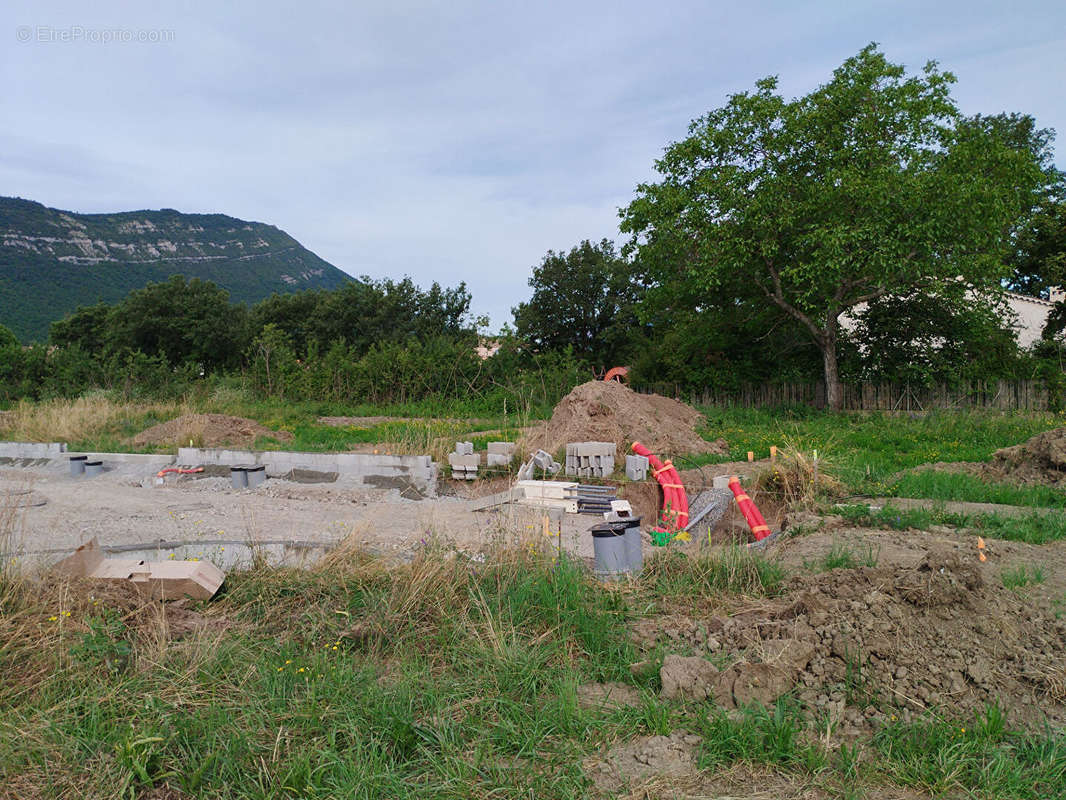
point(256, 475)
point(77, 465)
point(93, 468)
point(238, 477)
point(634, 545)
point(610, 551)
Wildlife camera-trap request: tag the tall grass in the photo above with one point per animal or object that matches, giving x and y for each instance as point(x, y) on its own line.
point(440, 678)
point(91, 419)
point(728, 570)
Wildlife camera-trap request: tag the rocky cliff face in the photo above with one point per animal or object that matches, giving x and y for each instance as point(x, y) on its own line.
point(51, 261)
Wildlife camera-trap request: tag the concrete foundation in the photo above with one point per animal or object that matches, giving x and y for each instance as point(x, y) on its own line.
point(362, 469)
point(32, 449)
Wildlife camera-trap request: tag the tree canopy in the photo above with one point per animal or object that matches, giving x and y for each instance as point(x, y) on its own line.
point(585, 300)
point(872, 184)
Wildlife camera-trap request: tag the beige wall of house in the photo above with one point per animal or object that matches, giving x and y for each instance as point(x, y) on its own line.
point(1032, 313)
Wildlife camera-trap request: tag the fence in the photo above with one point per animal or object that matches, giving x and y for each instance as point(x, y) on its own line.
point(1001, 395)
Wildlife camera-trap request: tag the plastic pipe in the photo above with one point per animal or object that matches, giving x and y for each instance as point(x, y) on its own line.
point(759, 529)
point(675, 501)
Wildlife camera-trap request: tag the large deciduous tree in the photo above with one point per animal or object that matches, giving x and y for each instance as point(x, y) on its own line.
point(872, 184)
point(584, 300)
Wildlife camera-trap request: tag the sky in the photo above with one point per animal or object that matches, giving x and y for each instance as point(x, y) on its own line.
point(448, 141)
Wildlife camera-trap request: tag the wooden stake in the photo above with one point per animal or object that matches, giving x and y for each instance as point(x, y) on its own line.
point(751, 456)
point(773, 454)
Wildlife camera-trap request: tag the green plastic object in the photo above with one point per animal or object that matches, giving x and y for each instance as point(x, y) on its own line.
point(661, 537)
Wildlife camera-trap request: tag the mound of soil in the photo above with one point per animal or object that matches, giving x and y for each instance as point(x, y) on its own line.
point(607, 411)
point(1042, 459)
point(207, 430)
point(860, 644)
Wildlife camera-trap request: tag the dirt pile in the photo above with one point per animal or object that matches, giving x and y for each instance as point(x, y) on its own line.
point(606, 411)
point(207, 430)
point(860, 644)
point(1042, 459)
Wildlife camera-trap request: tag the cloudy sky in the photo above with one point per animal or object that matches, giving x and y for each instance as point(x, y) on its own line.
point(448, 140)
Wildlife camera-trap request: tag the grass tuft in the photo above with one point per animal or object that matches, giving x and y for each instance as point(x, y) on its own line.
point(734, 570)
point(1022, 576)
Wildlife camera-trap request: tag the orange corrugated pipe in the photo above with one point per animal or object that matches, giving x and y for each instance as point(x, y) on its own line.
point(675, 501)
point(760, 530)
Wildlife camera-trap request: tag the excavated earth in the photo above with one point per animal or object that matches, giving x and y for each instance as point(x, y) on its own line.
point(607, 411)
point(1042, 459)
point(861, 644)
point(207, 430)
point(929, 630)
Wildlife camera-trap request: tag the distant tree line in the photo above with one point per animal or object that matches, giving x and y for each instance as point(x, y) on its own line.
point(378, 342)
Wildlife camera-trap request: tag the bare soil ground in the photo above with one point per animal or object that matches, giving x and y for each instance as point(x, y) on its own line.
point(206, 430)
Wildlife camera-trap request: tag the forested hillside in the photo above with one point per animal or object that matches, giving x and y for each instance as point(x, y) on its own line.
point(53, 261)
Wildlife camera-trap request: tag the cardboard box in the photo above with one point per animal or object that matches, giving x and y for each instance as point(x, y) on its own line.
point(162, 580)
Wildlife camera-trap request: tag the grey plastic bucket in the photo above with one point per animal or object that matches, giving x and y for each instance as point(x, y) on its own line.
point(238, 477)
point(256, 475)
point(77, 465)
point(93, 468)
point(609, 551)
point(634, 546)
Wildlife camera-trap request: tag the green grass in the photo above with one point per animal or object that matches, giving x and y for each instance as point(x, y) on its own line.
point(936, 485)
point(731, 570)
point(843, 556)
point(980, 756)
point(1033, 528)
point(867, 450)
point(1022, 576)
point(441, 679)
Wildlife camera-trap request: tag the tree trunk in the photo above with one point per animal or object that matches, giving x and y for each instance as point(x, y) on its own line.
point(834, 394)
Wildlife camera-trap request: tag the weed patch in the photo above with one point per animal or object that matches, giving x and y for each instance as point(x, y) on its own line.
point(1022, 576)
point(734, 570)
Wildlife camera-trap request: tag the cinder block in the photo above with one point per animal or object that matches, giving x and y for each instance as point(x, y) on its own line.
point(464, 461)
point(497, 459)
point(722, 481)
point(502, 448)
point(636, 468)
point(464, 448)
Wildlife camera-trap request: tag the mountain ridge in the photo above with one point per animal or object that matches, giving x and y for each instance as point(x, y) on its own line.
point(53, 260)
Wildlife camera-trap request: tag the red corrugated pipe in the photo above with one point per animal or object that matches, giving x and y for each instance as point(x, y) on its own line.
point(675, 501)
point(755, 520)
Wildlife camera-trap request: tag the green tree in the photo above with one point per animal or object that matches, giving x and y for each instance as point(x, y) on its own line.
point(930, 336)
point(872, 184)
point(586, 300)
point(85, 328)
point(365, 312)
point(186, 322)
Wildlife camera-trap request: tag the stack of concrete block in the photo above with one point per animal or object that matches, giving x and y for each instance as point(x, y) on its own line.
point(499, 454)
point(637, 468)
point(590, 459)
point(464, 461)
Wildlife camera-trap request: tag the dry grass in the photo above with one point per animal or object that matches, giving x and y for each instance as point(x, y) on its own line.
point(82, 418)
point(797, 480)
